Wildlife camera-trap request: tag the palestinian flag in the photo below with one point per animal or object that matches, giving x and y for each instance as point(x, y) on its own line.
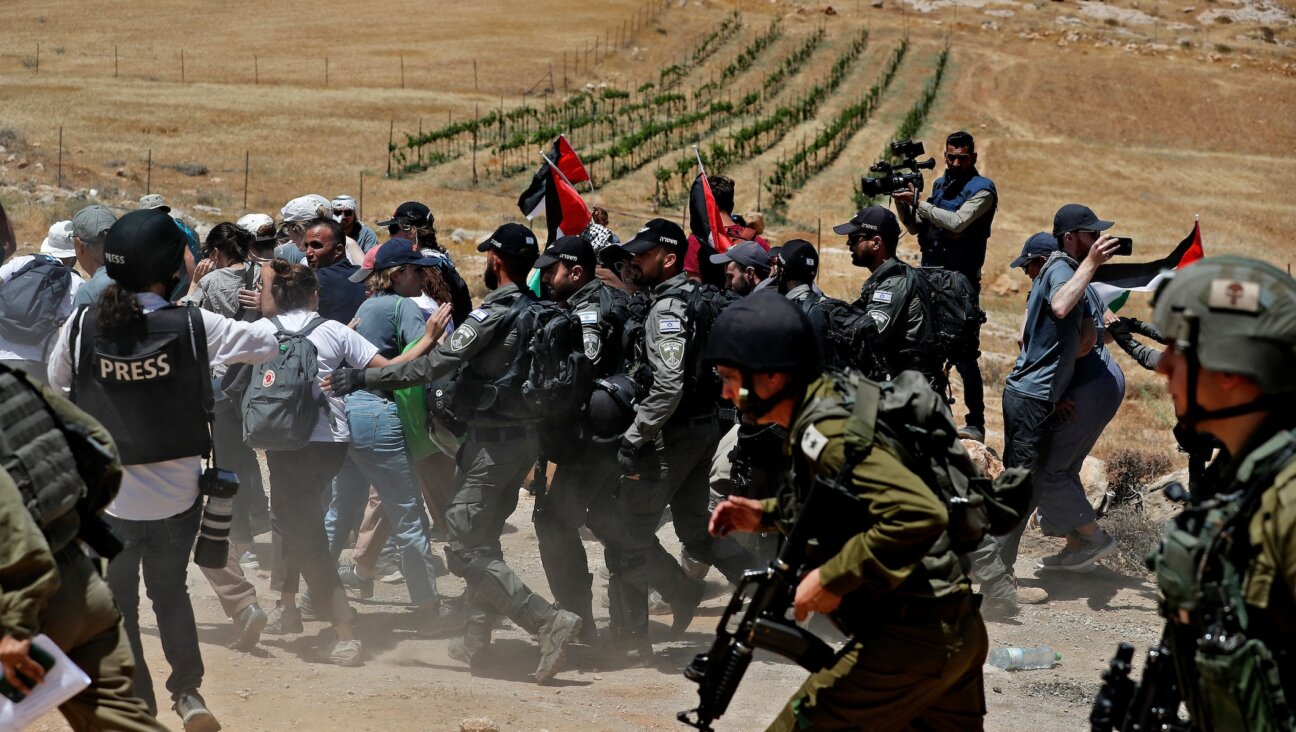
point(1114, 282)
point(565, 211)
point(705, 222)
point(532, 200)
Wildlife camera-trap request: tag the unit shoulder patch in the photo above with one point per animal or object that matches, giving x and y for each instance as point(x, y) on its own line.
point(813, 442)
point(463, 335)
point(671, 351)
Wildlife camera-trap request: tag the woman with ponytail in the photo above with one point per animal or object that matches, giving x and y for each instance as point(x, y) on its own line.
point(141, 366)
point(299, 478)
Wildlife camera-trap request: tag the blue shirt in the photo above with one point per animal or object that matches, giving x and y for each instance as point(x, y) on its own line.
point(92, 288)
point(290, 252)
point(339, 297)
point(1049, 345)
point(390, 322)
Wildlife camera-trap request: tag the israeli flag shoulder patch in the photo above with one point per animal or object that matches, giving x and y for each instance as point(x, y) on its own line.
point(479, 314)
point(813, 442)
point(881, 296)
point(670, 325)
point(588, 317)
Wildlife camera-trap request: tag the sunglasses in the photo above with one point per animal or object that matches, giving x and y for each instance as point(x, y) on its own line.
point(952, 157)
point(343, 212)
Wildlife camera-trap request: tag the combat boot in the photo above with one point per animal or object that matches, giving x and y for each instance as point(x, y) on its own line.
point(559, 629)
point(685, 605)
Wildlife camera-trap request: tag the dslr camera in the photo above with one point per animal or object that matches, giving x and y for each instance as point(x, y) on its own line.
point(888, 178)
point(212, 548)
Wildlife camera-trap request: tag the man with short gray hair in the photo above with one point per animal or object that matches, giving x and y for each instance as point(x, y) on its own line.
point(89, 230)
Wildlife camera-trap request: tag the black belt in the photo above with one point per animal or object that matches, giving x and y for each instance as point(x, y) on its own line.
point(500, 434)
point(699, 419)
point(938, 608)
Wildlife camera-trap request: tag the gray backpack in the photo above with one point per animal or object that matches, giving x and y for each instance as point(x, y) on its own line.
point(29, 301)
point(280, 407)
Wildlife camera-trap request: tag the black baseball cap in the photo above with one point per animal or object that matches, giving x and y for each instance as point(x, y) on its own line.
point(412, 213)
point(143, 248)
point(392, 254)
point(657, 232)
point(511, 240)
point(1074, 217)
point(1039, 245)
point(745, 254)
point(872, 221)
point(799, 260)
point(569, 249)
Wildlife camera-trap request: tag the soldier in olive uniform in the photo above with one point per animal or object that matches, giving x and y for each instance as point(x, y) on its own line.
point(1226, 566)
point(500, 449)
point(872, 237)
point(665, 455)
point(896, 587)
point(48, 583)
point(567, 270)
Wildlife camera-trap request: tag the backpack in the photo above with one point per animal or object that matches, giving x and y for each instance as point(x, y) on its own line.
point(841, 329)
point(30, 300)
point(952, 315)
point(280, 407)
point(703, 304)
point(550, 367)
point(907, 414)
point(64, 470)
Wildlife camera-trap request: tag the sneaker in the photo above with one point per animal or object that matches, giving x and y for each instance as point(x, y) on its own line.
point(193, 712)
point(972, 432)
point(561, 629)
point(656, 605)
point(1031, 595)
point(284, 621)
point(248, 625)
point(1083, 559)
point(388, 571)
point(249, 561)
point(346, 653)
point(363, 586)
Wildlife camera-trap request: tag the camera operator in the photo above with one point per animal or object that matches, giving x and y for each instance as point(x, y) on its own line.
point(953, 226)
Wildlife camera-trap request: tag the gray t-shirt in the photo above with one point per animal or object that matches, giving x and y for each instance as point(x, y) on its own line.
point(1049, 345)
point(91, 289)
point(290, 252)
point(218, 291)
point(390, 322)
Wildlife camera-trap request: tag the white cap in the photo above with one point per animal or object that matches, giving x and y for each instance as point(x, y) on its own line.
point(59, 242)
point(305, 208)
point(256, 223)
point(344, 201)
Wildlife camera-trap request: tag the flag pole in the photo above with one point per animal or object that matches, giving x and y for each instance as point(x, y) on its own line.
point(556, 169)
point(697, 154)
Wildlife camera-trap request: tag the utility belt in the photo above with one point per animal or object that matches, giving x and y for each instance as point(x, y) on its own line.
point(685, 419)
point(502, 434)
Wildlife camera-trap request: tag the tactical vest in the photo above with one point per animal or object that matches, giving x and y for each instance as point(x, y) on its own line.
point(149, 393)
point(35, 454)
point(963, 252)
point(1229, 675)
point(610, 306)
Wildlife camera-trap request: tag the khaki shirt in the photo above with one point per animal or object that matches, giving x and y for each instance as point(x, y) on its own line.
point(1270, 582)
point(900, 551)
point(666, 334)
point(476, 342)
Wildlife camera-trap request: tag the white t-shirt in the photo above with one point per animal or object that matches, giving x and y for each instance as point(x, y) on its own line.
point(161, 490)
point(11, 351)
point(335, 345)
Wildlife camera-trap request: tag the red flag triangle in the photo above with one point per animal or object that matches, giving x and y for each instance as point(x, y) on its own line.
point(570, 163)
point(714, 221)
point(575, 215)
point(1195, 251)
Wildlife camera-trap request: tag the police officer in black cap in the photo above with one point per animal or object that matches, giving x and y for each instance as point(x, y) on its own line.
point(796, 267)
point(584, 468)
point(499, 451)
point(665, 454)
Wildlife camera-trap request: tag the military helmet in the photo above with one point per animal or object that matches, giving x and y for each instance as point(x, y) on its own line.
point(1244, 311)
point(612, 405)
point(764, 332)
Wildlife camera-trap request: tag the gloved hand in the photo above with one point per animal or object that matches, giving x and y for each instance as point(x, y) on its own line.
point(639, 461)
point(1119, 328)
point(343, 381)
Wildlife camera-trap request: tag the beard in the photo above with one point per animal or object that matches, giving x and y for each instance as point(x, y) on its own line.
point(490, 278)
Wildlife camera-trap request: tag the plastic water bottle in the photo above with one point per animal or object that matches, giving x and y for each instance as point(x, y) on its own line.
point(1020, 659)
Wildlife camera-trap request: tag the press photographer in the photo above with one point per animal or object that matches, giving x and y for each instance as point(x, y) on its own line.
point(953, 226)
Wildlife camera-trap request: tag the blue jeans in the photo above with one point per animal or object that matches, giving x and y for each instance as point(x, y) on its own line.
point(1097, 390)
point(161, 549)
point(378, 457)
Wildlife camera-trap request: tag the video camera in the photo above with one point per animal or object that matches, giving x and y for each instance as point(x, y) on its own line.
point(891, 177)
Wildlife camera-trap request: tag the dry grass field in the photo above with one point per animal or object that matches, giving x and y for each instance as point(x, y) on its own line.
point(1150, 111)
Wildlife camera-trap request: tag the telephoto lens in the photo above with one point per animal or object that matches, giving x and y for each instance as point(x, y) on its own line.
point(212, 548)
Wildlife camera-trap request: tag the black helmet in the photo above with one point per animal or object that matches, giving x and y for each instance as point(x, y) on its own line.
point(612, 405)
point(764, 332)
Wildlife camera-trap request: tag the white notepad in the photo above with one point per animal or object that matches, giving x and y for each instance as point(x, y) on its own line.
point(63, 681)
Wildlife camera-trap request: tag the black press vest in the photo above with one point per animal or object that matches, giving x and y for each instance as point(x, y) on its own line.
point(149, 394)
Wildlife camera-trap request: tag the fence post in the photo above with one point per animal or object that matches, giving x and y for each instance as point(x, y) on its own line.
point(360, 202)
point(38, 58)
point(391, 136)
point(402, 64)
point(247, 166)
point(182, 69)
point(475, 87)
point(326, 70)
point(148, 180)
point(476, 117)
point(256, 70)
point(114, 60)
point(60, 158)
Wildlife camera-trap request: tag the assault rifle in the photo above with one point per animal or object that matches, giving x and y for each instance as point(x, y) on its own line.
point(757, 615)
point(1152, 705)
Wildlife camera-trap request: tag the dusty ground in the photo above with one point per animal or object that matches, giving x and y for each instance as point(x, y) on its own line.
point(1149, 111)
